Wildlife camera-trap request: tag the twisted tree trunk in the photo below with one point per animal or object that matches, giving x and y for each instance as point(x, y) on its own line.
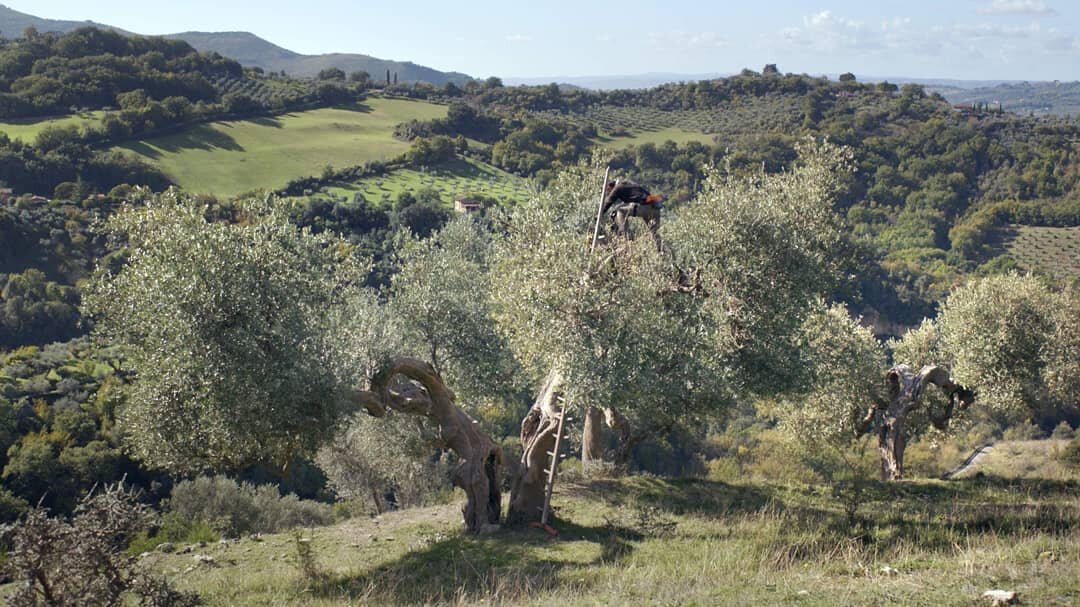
point(905, 389)
point(592, 438)
point(479, 457)
point(538, 431)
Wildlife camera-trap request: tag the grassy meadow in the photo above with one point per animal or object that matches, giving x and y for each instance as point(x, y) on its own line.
point(27, 129)
point(230, 157)
point(646, 540)
point(460, 177)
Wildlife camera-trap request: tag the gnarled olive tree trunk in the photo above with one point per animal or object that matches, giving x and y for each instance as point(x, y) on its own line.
point(905, 389)
point(538, 432)
point(592, 438)
point(479, 457)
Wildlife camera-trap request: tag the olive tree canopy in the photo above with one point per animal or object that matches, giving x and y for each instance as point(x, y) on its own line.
point(225, 326)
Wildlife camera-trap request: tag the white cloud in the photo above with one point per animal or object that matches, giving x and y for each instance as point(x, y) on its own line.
point(681, 40)
point(518, 38)
point(1016, 7)
point(830, 34)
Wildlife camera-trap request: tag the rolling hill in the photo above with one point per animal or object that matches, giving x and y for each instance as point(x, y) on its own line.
point(251, 51)
point(229, 157)
point(12, 23)
point(1058, 98)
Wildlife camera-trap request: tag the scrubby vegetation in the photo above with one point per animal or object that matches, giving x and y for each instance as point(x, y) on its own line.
point(161, 337)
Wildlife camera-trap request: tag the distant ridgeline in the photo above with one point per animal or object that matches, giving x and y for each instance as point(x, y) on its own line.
point(936, 186)
point(1038, 98)
point(251, 51)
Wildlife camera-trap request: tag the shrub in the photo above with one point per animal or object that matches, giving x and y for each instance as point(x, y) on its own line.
point(174, 529)
point(1063, 431)
point(1071, 453)
point(233, 509)
point(81, 561)
point(1025, 431)
point(12, 507)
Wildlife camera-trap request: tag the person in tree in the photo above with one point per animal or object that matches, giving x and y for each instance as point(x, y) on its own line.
point(624, 199)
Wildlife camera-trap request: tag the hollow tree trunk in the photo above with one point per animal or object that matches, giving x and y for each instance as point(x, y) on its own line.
point(891, 445)
point(625, 438)
point(479, 457)
point(538, 431)
point(592, 438)
point(905, 390)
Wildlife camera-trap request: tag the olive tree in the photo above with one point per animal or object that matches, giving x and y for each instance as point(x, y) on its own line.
point(656, 336)
point(1013, 339)
point(848, 391)
point(249, 340)
point(224, 326)
point(1006, 342)
point(441, 295)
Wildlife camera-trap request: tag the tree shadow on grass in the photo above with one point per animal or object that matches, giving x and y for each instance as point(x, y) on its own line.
point(270, 121)
point(502, 567)
point(201, 137)
point(679, 495)
point(362, 108)
point(942, 515)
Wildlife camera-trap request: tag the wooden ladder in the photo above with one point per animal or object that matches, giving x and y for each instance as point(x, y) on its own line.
point(553, 464)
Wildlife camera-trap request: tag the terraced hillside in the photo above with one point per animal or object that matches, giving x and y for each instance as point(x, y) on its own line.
point(1055, 251)
point(230, 157)
point(737, 118)
point(462, 177)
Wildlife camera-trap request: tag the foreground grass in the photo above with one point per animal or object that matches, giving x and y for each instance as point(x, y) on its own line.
point(645, 540)
point(27, 129)
point(230, 157)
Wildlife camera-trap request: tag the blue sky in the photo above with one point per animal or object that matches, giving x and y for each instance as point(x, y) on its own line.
point(967, 39)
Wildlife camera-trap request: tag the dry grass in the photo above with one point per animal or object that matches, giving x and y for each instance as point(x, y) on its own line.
point(646, 540)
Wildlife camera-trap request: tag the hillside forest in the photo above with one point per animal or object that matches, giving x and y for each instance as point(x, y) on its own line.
point(850, 282)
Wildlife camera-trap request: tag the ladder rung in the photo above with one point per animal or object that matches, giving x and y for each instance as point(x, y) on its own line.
point(550, 453)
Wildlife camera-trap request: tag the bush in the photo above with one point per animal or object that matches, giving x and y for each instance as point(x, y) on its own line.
point(81, 561)
point(1071, 453)
point(233, 509)
point(12, 507)
point(1063, 431)
point(1025, 431)
point(174, 529)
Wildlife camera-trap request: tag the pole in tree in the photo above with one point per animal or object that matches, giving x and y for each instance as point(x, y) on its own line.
point(599, 210)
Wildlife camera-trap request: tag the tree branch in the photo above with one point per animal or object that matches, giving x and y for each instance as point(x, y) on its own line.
point(957, 394)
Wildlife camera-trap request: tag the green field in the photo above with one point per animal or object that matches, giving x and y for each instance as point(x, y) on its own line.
point(227, 158)
point(464, 176)
point(653, 541)
point(27, 129)
point(1054, 251)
